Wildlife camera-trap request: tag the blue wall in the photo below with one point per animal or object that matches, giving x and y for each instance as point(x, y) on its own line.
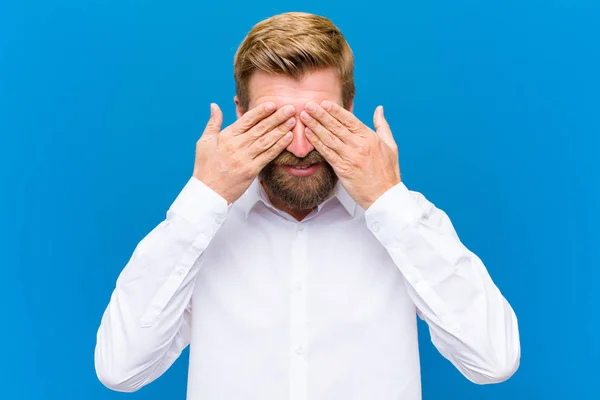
point(494, 106)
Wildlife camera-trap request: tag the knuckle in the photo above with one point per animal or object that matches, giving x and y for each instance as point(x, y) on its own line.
point(261, 128)
point(282, 129)
point(272, 152)
point(263, 142)
point(345, 167)
point(247, 171)
point(363, 150)
point(337, 126)
point(353, 125)
point(240, 126)
point(328, 140)
point(245, 123)
point(358, 160)
point(275, 150)
point(327, 151)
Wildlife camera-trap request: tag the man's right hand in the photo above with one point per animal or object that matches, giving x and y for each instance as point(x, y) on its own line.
point(228, 161)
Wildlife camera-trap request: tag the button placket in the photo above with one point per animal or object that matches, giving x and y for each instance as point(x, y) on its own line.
point(298, 332)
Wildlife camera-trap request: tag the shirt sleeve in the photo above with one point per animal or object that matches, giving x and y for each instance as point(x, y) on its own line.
point(145, 327)
point(470, 322)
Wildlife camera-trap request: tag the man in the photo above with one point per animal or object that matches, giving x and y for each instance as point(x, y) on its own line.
point(295, 260)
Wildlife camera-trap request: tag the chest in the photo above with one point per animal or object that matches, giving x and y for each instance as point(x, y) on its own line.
point(260, 271)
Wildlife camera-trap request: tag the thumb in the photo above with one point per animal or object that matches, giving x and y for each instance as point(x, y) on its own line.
point(383, 128)
point(215, 121)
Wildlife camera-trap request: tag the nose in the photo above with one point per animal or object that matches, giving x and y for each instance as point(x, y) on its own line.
point(300, 146)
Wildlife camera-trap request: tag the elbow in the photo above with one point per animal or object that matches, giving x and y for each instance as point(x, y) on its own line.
point(497, 371)
point(114, 379)
point(501, 372)
point(114, 375)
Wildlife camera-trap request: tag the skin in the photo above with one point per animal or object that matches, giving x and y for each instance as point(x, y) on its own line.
point(365, 161)
point(317, 86)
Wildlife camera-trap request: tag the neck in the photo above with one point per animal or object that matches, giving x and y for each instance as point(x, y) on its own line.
point(299, 215)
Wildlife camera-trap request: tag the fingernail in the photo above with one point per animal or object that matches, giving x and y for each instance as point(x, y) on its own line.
point(308, 132)
point(326, 105)
point(290, 122)
point(289, 110)
point(269, 107)
point(304, 115)
point(311, 107)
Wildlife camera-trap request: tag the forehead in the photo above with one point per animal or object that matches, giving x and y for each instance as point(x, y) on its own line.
point(315, 86)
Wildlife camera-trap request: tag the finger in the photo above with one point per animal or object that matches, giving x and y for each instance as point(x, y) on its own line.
point(213, 126)
point(269, 155)
point(330, 155)
point(345, 117)
point(383, 128)
point(269, 123)
point(267, 140)
point(252, 117)
point(325, 136)
point(330, 123)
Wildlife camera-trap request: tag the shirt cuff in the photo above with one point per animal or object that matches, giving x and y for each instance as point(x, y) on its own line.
point(197, 202)
point(392, 212)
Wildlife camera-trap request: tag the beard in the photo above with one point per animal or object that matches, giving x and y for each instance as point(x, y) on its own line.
point(299, 192)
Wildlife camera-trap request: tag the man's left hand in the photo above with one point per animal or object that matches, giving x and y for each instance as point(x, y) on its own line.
point(365, 161)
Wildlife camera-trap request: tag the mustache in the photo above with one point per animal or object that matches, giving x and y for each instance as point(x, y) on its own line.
point(289, 159)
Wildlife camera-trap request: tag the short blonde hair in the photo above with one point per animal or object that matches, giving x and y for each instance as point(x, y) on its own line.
point(293, 44)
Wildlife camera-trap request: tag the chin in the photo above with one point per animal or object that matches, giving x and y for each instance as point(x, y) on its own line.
point(299, 190)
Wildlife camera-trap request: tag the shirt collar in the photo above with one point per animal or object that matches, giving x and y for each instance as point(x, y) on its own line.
point(256, 194)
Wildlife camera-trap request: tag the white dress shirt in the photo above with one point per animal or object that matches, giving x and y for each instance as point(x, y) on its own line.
point(322, 309)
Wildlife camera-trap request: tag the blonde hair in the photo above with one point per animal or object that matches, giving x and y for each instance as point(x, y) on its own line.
point(293, 44)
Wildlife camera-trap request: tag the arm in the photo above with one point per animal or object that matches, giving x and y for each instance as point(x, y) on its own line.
point(146, 324)
point(470, 322)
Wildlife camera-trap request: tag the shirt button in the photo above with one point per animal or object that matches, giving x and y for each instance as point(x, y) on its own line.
point(375, 226)
point(300, 227)
point(219, 218)
point(299, 287)
point(299, 350)
point(181, 272)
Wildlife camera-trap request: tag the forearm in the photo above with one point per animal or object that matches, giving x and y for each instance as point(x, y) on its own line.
point(471, 323)
point(144, 325)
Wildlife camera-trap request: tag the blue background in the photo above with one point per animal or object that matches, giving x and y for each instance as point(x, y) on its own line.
point(494, 106)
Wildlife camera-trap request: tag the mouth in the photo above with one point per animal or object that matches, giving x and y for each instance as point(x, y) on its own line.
point(301, 170)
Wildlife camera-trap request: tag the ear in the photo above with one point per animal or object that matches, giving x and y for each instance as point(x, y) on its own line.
point(238, 109)
point(351, 106)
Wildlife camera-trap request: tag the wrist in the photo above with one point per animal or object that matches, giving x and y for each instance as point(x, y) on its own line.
point(222, 192)
point(375, 195)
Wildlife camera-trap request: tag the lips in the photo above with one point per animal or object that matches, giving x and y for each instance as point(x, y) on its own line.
point(301, 171)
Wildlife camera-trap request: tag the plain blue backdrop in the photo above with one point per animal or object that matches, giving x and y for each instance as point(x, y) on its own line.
point(494, 106)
